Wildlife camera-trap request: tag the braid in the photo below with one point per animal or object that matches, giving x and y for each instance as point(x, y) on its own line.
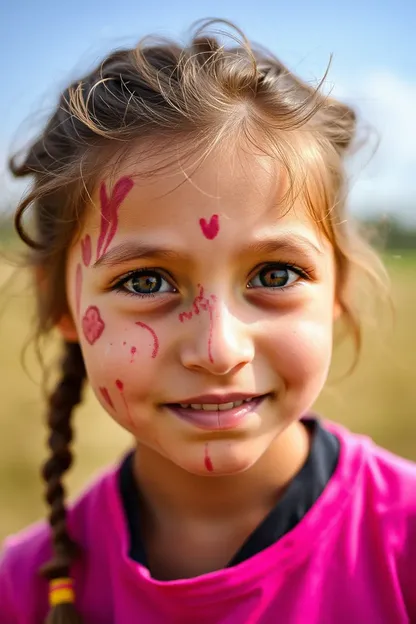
point(61, 404)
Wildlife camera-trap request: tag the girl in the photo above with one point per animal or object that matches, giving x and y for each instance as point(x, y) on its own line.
point(191, 245)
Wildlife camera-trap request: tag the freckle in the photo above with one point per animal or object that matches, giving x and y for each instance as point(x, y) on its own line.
point(124, 343)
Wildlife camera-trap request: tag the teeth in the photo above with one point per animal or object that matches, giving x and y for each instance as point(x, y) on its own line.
point(213, 407)
point(225, 406)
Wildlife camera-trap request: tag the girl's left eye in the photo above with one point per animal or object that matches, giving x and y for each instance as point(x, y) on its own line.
point(276, 276)
point(144, 283)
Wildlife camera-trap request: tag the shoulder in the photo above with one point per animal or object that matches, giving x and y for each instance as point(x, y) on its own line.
point(383, 504)
point(22, 590)
point(392, 478)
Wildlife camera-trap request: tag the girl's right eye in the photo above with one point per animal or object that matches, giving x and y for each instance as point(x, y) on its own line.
point(143, 283)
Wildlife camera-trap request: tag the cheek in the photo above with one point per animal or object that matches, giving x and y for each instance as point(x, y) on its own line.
point(301, 352)
point(126, 357)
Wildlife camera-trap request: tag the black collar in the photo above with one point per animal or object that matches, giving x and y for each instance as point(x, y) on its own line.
point(301, 494)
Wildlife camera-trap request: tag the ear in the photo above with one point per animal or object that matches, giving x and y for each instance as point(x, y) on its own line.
point(67, 328)
point(65, 325)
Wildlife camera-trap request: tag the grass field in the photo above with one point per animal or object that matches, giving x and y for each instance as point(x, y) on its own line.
point(379, 398)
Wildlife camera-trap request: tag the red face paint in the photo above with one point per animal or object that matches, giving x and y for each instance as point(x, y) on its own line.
point(78, 288)
point(86, 250)
point(211, 228)
point(120, 387)
point(154, 336)
point(133, 353)
point(207, 460)
point(208, 305)
point(92, 324)
point(109, 212)
point(106, 396)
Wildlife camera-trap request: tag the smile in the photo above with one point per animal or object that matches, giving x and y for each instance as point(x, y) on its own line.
point(214, 407)
point(217, 416)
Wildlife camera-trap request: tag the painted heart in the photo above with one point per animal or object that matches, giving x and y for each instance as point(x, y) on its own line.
point(92, 324)
point(210, 228)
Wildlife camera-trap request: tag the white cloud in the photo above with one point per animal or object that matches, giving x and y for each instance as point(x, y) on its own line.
point(388, 181)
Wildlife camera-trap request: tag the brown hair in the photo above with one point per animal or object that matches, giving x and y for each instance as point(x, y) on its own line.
point(200, 94)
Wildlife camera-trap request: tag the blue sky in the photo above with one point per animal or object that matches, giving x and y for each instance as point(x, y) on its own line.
point(44, 44)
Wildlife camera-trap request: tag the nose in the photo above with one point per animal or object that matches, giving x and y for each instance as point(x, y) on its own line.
point(216, 341)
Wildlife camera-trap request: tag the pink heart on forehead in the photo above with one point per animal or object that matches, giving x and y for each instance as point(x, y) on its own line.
point(211, 228)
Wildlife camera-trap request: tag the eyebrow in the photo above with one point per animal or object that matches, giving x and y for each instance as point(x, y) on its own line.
point(134, 250)
point(292, 243)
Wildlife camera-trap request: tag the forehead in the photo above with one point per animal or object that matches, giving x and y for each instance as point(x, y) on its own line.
point(249, 192)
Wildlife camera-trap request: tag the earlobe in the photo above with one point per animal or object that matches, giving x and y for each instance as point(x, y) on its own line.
point(67, 328)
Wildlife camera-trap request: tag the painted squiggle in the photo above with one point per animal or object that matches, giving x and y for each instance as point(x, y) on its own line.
point(86, 250)
point(78, 288)
point(120, 387)
point(154, 336)
point(109, 212)
point(106, 396)
point(208, 305)
point(207, 460)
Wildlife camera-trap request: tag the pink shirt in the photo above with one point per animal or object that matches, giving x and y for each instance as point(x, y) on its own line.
point(351, 559)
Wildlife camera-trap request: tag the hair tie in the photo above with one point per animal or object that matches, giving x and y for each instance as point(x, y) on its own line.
point(61, 590)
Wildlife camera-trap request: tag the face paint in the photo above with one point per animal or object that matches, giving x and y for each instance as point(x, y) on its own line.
point(202, 303)
point(211, 228)
point(86, 250)
point(92, 324)
point(133, 353)
point(154, 336)
point(106, 396)
point(78, 289)
point(109, 212)
point(120, 387)
point(207, 460)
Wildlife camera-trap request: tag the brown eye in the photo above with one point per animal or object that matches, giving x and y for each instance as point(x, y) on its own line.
point(144, 283)
point(274, 276)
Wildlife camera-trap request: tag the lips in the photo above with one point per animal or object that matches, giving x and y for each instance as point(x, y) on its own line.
point(219, 415)
point(217, 398)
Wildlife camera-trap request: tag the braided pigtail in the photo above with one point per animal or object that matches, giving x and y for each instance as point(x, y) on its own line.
point(61, 404)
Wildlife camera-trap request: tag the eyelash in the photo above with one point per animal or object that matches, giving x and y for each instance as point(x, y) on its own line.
point(306, 274)
point(118, 286)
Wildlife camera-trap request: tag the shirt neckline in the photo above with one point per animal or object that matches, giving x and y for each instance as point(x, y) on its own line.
point(301, 494)
point(283, 556)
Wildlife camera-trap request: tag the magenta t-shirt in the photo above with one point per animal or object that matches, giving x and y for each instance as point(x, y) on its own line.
point(350, 560)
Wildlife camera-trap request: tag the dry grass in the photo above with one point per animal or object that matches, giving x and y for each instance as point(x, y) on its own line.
point(378, 399)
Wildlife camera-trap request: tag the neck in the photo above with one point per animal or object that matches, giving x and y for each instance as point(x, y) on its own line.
point(167, 491)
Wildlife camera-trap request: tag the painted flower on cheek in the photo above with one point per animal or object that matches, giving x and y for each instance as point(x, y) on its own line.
point(92, 324)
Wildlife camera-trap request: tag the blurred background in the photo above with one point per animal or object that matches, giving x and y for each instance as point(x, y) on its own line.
point(44, 45)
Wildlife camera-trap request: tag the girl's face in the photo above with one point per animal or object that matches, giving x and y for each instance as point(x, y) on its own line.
point(204, 310)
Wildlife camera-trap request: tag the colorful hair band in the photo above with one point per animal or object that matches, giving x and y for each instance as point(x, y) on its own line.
point(61, 590)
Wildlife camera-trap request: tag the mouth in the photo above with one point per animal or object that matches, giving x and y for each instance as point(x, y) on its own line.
point(219, 415)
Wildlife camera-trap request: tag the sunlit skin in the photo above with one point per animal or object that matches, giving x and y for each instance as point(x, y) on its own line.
point(264, 340)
